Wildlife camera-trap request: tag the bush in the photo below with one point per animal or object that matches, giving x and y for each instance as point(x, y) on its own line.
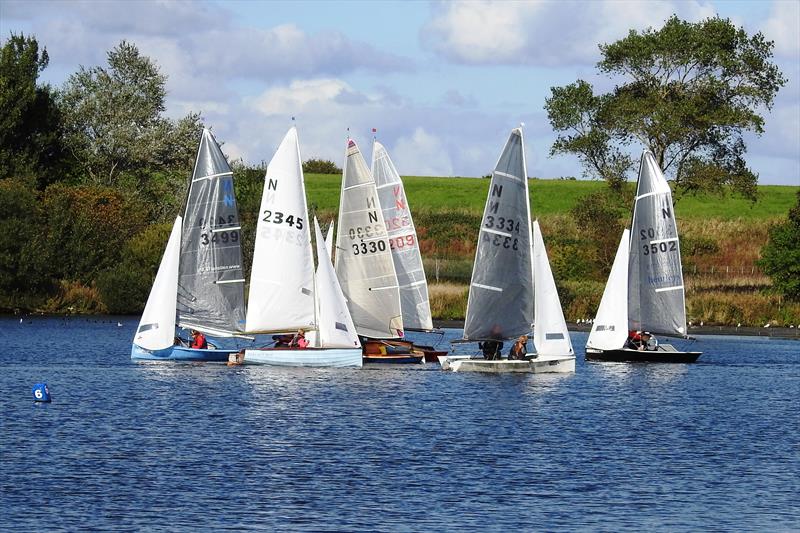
point(320, 166)
point(780, 257)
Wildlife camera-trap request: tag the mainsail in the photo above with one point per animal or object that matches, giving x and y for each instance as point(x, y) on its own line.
point(610, 327)
point(500, 304)
point(402, 241)
point(281, 296)
point(363, 256)
point(211, 282)
point(550, 334)
point(655, 277)
point(156, 329)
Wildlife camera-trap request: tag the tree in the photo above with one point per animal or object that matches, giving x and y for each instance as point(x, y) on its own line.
point(690, 93)
point(29, 123)
point(780, 257)
point(113, 119)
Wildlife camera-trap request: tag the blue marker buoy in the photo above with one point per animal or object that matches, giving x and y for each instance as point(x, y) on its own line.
point(41, 393)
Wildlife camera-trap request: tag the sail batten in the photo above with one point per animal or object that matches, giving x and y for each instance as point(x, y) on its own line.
point(500, 303)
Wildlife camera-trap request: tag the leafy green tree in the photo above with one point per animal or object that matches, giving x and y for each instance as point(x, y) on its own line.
point(780, 257)
point(29, 122)
point(688, 92)
point(321, 166)
point(114, 123)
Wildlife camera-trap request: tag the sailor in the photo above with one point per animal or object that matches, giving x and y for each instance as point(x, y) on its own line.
point(519, 349)
point(491, 349)
point(645, 345)
point(299, 339)
point(634, 341)
point(198, 340)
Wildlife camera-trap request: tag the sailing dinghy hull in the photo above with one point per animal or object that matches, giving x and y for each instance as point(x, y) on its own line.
point(542, 364)
point(180, 353)
point(306, 357)
point(663, 354)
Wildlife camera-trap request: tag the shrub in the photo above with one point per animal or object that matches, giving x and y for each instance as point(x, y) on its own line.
point(321, 166)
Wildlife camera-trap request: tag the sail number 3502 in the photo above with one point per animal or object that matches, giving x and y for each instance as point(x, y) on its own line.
point(656, 247)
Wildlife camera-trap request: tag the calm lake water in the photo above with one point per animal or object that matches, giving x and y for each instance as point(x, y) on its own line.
point(614, 447)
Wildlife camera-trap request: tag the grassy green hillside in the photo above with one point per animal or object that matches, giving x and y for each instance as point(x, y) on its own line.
point(550, 197)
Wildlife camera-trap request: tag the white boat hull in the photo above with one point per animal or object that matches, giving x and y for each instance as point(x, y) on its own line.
point(446, 360)
point(307, 357)
point(539, 365)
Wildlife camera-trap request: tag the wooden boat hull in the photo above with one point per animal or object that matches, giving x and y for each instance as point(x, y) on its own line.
point(180, 353)
point(395, 359)
point(541, 364)
point(397, 352)
point(306, 357)
point(626, 355)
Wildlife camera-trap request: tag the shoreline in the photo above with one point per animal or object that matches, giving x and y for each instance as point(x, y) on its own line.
point(746, 331)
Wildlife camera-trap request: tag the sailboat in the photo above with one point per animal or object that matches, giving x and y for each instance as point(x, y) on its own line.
point(286, 294)
point(200, 281)
point(365, 266)
point(645, 287)
point(403, 242)
point(501, 303)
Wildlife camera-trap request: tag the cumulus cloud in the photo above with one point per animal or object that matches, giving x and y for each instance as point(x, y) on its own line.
point(783, 27)
point(486, 32)
point(423, 152)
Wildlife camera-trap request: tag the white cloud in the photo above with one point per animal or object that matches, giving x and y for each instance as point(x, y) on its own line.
point(783, 27)
point(423, 152)
point(486, 32)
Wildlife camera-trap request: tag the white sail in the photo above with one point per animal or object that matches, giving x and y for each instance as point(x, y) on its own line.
point(656, 294)
point(281, 294)
point(402, 241)
point(336, 329)
point(364, 263)
point(329, 240)
point(610, 327)
point(550, 334)
point(500, 303)
point(156, 329)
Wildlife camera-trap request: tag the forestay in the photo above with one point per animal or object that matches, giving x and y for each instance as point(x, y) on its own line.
point(550, 334)
point(610, 327)
point(656, 294)
point(500, 304)
point(402, 241)
point(364, 263)
point(336, 329)
point(281, 296)
point(211, 282)
point(156, 329)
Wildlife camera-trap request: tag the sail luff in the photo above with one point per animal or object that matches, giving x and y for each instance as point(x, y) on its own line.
point(403, 241)
point(500, 302)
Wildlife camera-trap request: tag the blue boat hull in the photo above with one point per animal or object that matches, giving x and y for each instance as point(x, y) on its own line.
point(180, 353)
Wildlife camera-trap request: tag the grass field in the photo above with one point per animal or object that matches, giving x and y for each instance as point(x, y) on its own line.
point(553, 197)
point(722, 238)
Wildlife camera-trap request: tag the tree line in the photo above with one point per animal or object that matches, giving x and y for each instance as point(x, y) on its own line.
point(93, 172)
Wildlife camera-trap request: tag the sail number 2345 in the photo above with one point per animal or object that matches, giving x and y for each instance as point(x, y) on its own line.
point(276, 217)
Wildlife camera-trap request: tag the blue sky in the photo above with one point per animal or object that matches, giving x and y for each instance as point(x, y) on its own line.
point(443, 82)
